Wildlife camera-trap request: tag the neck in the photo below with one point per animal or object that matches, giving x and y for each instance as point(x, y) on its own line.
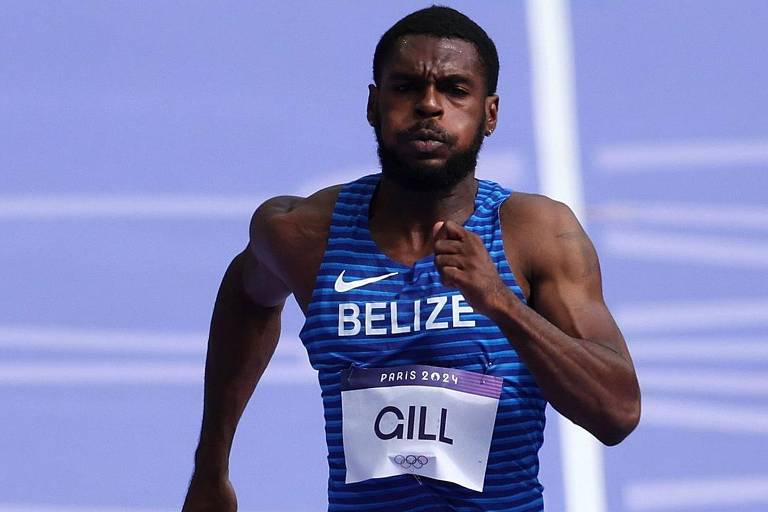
point(400, 217)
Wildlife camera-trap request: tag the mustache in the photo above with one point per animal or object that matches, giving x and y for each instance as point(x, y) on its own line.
point(426, 130)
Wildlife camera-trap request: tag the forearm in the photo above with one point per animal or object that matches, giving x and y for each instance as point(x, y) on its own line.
point(590, 383)
point(242, 340)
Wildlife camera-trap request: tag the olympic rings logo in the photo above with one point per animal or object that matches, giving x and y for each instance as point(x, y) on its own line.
point(411, 461)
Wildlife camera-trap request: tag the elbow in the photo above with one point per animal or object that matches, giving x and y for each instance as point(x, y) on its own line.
point(620, 423)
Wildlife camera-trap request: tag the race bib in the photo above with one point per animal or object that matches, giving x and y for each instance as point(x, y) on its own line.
point(423, 420)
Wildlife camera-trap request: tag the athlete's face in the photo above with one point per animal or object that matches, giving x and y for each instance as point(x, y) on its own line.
point(431, 111)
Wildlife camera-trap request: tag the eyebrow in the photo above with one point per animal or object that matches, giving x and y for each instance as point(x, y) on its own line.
point(456, 78)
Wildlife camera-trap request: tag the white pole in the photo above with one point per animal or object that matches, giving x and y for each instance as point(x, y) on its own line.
point(557, 147)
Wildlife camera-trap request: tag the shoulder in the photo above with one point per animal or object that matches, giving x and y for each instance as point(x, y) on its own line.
point(545, 233)
point(285, 221)
point(536, 212)
point(288, 235)
point(287, 208)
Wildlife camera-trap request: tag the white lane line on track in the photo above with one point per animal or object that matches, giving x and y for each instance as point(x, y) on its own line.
point(704, 415)
point(58, 207)
point(23, 373)
point(103, 340)
point(709, 382)
point(557, 151)
point(676, 247)
point(692, 316)
point(692, 494)
point(129, 341)
point(721, 350)
point(506, 167)
point(680, 214)
point(681, 155)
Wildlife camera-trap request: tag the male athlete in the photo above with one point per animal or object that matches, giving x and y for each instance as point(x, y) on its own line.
point(442, 312)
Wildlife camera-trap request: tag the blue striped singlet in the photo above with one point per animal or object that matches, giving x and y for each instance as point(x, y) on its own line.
point(511, 482)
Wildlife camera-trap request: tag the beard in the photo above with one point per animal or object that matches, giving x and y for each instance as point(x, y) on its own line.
point(425, 178)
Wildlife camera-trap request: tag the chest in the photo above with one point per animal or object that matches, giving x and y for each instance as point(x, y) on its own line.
point(303, 266)
point(372, 315)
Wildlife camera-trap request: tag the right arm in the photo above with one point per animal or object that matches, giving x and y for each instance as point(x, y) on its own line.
point(287, 242)
point(243, 335)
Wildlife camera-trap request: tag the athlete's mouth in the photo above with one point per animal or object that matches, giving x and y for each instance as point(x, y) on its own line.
point(427, 135)
point(426, 141)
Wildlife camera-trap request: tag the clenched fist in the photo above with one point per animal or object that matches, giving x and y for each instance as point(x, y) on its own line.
point(464, 263)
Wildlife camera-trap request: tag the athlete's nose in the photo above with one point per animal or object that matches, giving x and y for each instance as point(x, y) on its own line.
point(428, 104)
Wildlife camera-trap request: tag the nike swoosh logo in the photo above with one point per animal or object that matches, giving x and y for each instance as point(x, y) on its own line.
point(342, 286)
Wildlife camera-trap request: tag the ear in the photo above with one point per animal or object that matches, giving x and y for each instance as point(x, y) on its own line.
point(491, 113)
point(373, 103)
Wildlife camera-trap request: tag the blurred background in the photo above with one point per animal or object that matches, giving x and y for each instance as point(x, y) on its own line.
point(136, 138)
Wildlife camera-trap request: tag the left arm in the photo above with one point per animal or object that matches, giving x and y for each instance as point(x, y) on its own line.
point(568, 339)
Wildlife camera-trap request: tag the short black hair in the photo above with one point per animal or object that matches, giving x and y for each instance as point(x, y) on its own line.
point(440, 21)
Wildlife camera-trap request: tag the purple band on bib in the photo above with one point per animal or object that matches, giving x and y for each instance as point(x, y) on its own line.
point(420, 375)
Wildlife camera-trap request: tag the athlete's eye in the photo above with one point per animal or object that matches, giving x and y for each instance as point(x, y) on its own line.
point(454, 89)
